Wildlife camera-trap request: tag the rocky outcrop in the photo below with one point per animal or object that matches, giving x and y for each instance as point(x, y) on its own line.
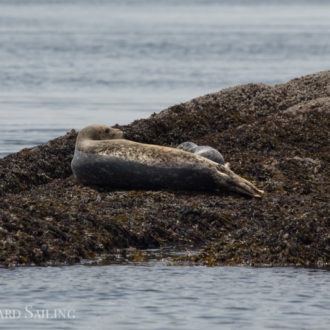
point(275, 136)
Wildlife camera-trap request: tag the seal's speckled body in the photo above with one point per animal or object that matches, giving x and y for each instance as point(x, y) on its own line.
point(116, 172)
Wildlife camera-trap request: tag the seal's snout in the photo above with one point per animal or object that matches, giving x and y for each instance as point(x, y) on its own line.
point(122, 135)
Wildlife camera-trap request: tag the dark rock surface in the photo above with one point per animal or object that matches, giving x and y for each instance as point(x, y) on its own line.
point(275, 136)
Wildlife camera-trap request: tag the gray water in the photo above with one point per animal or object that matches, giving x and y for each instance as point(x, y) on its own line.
point(160, 297)
point(66, 64)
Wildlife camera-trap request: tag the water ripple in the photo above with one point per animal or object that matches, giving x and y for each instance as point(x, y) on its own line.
point(158, 297)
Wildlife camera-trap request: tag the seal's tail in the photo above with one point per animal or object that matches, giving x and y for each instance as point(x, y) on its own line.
point(227, 178)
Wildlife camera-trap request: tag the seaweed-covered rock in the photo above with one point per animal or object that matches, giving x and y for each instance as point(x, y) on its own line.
point(226, 109)
point(38, 165)
point(275, 136)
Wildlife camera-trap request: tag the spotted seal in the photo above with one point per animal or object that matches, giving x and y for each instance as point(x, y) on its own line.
point(103, 157)
point(204, 151)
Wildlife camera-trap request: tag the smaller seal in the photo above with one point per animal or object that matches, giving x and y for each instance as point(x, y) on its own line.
point(204, 151)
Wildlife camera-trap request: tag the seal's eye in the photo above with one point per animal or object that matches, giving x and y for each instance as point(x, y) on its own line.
point(107, 130)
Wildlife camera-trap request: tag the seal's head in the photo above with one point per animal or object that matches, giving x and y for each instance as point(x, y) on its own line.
point(99, 132)
point(187, 146)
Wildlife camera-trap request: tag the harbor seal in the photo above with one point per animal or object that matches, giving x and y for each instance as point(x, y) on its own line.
point(103, 157)
point(204, 151)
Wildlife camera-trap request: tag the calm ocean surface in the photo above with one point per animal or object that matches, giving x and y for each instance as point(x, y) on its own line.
point(160, 297)
point(66, 64)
